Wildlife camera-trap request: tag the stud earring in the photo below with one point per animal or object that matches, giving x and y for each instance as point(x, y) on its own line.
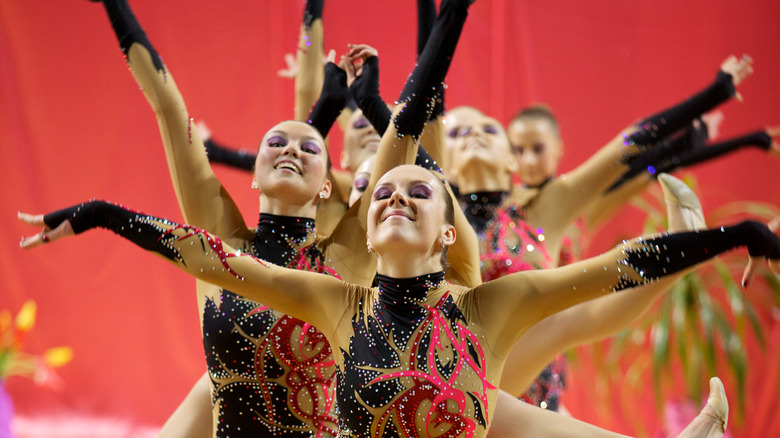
point(254, 184)
point(370, 250)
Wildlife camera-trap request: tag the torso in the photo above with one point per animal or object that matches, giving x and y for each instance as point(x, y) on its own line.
point(509, 244)
point(272, 375)
point(411, 365)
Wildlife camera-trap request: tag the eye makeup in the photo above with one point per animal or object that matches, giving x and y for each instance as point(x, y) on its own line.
point(422, 191)
point(311, 147)
point(276, 141)
point(381, 193)
point(361, 184)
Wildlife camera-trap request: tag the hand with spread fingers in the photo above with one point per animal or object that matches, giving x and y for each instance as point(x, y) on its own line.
point(47, 234)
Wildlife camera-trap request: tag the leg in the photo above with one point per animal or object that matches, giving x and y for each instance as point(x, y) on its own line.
point(193, 417)
point(514, 418)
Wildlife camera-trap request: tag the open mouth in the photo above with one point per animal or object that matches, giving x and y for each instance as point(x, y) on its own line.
point(288, 166)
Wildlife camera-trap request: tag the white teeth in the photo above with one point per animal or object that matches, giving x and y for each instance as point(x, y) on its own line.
point(288, 165)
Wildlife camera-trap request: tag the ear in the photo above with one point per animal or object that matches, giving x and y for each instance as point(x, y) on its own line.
point(326, 189)
point(344, 160)
point(448, 236)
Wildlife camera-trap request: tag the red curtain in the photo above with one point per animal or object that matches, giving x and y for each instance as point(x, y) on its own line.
point(75, 126)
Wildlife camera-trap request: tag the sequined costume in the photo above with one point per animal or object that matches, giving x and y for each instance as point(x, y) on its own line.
point(272, 374)
point(417, 355)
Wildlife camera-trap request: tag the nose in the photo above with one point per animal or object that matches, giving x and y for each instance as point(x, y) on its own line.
point(529, 158)
point(397, 198)
point(292, 148)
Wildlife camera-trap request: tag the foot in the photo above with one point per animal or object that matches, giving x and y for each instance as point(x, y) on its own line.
point(711, 421)
point(683, 208)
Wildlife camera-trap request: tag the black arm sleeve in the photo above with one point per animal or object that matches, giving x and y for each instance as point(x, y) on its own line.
point(759, 139)
point(426, 16)
point(333, 98)
point(312, 11)
point(422, 87)
point(660, 155)
point(240, 159)
point(669, 121)
point(134, 226)
point(128, 30)
point(664, 255)
point(365, 91)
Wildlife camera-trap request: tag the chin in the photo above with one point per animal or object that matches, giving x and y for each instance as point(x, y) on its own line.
point(396, 238)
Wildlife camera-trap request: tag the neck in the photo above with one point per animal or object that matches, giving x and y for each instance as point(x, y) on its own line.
point(475, 177)
point(406, 265)
point(539, 185)
point(288, 207)
point(405, 291)
point(480, 207)
point(278, 238)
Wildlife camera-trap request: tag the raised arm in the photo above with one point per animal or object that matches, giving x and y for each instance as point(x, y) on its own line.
point(586, 183)
point(638, 176)
point(510, 305)
point(399, 141)
point(763, 140)
point(308, 80)
point(686, 150)
point(314, 298)
point(202, 199)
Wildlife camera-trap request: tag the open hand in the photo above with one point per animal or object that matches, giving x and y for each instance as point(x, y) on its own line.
point(47, 234)
point(739, 69)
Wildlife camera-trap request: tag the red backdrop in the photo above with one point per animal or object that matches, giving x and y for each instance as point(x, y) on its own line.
point(74, 125)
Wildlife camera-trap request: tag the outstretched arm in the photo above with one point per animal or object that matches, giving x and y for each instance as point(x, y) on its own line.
point(308, 296)
point(660, 125)
point(764, 140)
point(586, 183)
point(202, 199)
point(511, 304)
point(687, 150)
point(638, 176)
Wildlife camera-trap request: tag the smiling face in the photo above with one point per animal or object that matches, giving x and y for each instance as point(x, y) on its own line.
point(360, 142)
point(407, 215)
point(292, 164)
point(538, 148)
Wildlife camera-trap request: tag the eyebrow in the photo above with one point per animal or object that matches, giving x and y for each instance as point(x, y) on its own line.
point(286, 135)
